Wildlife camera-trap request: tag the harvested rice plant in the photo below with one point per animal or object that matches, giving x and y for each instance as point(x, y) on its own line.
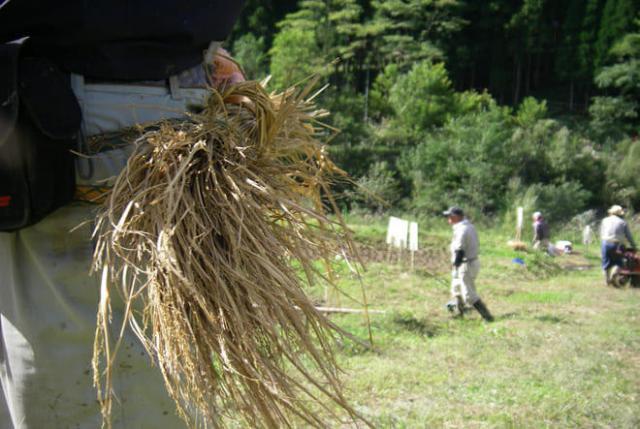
point(199, 235)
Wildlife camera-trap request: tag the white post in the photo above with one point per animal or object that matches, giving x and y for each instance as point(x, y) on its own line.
point(587, 237)
point(519, 222)
point(413, 241)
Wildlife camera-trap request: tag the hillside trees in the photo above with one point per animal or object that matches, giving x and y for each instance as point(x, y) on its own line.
point(443, 101)
point(569, 66)
point(311, 38)
point(617, 19)
point(616, 114)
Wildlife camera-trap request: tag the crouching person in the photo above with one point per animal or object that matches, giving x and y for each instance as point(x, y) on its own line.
point(541, 234)
point(464, 258)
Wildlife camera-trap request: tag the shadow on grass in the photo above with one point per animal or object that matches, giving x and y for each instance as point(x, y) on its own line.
point(550, 318)
point(504, 292)
point(422, 327)
point(507, 316)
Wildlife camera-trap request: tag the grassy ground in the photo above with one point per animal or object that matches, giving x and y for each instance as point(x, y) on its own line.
point(564, 350)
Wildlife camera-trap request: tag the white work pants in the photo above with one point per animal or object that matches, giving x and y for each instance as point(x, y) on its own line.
point(48, 301)
point(463, 281)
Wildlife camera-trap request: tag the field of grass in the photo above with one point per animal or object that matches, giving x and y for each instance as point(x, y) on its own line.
point(564, 351)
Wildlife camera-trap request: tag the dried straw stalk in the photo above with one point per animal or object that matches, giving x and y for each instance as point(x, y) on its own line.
point(199, 233)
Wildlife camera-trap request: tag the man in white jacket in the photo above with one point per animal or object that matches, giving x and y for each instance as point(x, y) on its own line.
point(464, 259)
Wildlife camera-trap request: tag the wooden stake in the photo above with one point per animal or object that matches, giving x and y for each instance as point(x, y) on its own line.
point(348, 310)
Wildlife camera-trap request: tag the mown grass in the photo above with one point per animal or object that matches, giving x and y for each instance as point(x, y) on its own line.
point(564, 351)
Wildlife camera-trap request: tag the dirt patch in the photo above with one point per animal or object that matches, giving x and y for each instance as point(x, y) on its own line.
point(429, 259)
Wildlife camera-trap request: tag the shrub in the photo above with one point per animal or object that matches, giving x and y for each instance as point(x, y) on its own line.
point(560, 202)
point(468, 162)
point(378, 189)
point(423, 98)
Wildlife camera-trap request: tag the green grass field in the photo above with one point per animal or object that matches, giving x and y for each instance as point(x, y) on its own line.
point(564, 351)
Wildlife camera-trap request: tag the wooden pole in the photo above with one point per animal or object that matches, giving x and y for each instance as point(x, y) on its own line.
point(348, 310)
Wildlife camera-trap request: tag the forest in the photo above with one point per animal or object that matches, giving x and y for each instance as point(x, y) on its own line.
point(483, 104)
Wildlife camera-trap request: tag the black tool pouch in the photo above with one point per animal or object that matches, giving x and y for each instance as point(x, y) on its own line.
point(39, 121)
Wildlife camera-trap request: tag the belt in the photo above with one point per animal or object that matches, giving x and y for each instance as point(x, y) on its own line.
point(196, 77)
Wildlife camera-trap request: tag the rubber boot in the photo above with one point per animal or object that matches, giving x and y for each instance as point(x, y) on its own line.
point(483, 310)
point(607, 277)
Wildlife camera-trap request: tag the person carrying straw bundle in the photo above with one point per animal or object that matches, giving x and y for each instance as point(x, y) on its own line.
point(211, 232)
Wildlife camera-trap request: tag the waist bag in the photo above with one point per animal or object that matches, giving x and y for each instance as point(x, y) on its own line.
point(39, 121)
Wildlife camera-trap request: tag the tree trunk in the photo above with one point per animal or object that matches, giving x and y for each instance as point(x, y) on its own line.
point(527, 80)
point(571, 85)
point(538, 70)
point(516, 90)
point(473, 76)
point(366, 95)
point(586, 99)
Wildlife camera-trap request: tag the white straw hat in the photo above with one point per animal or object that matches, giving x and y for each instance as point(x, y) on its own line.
point(616, 210)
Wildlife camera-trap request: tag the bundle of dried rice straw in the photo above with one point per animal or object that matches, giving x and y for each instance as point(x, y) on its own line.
point(199, 234)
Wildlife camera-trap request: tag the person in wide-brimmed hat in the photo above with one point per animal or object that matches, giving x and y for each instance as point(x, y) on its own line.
point(614, 232)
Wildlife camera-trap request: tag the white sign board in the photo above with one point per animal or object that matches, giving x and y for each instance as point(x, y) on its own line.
point(413, 236)
point(520, 218)
point(397, 232)
point(587, 235)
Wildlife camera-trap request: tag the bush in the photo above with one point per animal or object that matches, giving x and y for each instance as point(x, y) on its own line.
point(248, 50)
point(613, 117)
point(294, 56)
point(423, 98)
point(531, 111)
point(623, 175)
point(575, 158)
point(378, 189)
point(379, 105)
point(469, 162)
point(561, 202)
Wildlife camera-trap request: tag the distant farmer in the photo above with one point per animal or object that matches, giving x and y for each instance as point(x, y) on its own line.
point(464, 258)
point(541, 232)
point(614, 231)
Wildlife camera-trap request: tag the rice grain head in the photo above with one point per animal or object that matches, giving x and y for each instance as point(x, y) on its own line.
point(198, 236)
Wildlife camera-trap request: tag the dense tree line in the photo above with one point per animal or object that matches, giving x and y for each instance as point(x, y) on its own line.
point(487, 103)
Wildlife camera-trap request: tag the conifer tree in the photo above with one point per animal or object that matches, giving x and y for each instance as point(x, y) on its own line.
point(408, 31)
point(567, 63)
point(617, 19)
point(618, 112)
point(327, 28)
